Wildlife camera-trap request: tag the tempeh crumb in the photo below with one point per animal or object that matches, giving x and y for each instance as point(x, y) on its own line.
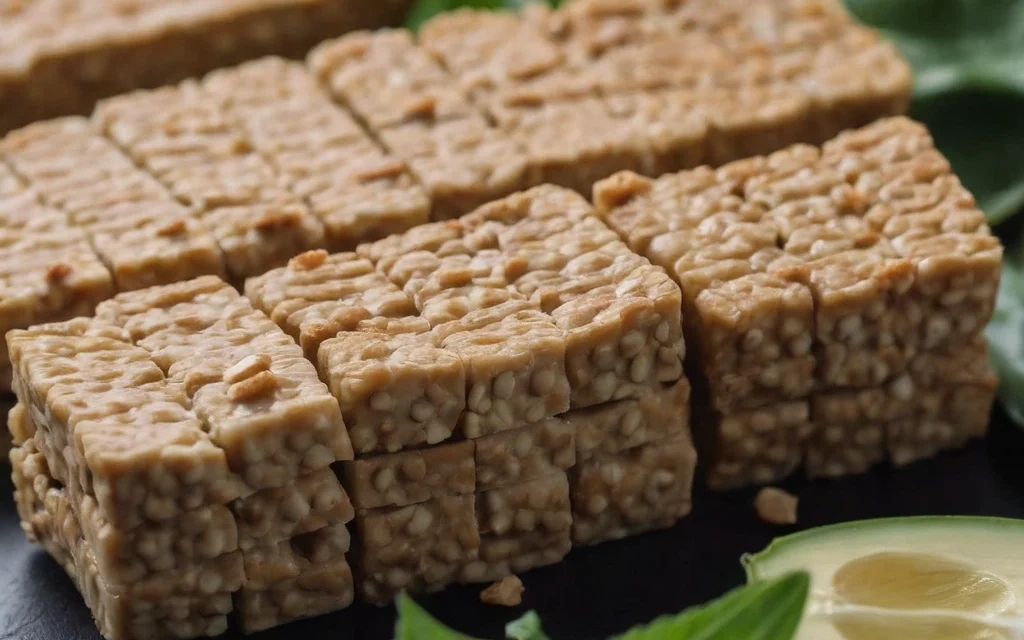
point(507, 592)
point(776, 506)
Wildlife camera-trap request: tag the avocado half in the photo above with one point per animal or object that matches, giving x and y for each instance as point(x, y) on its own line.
point(934, 577)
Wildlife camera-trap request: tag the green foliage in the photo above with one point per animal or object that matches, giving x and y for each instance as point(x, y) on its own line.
point(768, 610)
point(968, 58)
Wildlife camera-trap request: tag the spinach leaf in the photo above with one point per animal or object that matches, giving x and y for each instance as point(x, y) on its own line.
point(769, 610)
point(414, 623)
point(526, 627)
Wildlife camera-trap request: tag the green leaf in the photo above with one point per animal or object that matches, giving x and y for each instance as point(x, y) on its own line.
point(526, 627)
point(769, 610)
point(414, 623)
point(980, 133)
point(1006, 334)
point(954, 44)
point(424, 10)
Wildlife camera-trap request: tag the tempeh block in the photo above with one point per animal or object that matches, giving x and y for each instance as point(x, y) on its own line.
point(462, 163)
point(575, 144)
point(316, 297)
point(356, 191)
point(753, 447)
point(514, 358)
point(947, 418)
point(850, 426)
point(140, 554)
point(621, 494)
point(522, 526)
point(864, 330)
point(141, 234)
point(357, 68)
point(530, 452)
point(132, 444)
point(61, 58)
point(120, 612)
point(409, 477)
point(626, 424)
point(48, 277)
point(395, 392)
point(259, 399)
point(298, 578)
point(308, 503)
point(202, 157)
point(419, 547)
point(754, 342)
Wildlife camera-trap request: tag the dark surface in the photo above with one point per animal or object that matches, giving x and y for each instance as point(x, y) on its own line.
point(601, 590)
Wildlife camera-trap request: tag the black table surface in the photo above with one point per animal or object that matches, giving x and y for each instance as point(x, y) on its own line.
point(600, 590)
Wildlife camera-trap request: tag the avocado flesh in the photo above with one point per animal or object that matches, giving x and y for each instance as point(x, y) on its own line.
point(940, 578)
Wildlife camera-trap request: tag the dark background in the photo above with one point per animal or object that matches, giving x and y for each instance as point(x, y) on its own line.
point(600, 590)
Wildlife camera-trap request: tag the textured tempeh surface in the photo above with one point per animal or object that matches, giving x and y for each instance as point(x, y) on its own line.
point(513, 381)
point(478, 394)
point(833, 298)
point(59, 57)
point(378, 132)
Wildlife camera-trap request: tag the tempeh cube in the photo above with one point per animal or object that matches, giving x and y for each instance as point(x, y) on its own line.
point(620, 494)
point(395, 392)
point(358, 69)
point(258, 398)
point(298, 578)
point(308, 503)
point(129, 440)
point(129, 612)
point(48, 276)
point(575, 144)
point(753, 447)
point(622, 338)
point(356, 191)
point(865, 331)
point(947, 417)
point(530, 452)
point(462, 163)
point(754, 342)
point(419, 547)
point(514, 358)
point(625, 424)
point(409, 477)
point(850, 426)
point(522, 526)
point(316, 297)
point(956, 278)
point(194, 148)
point(141, 234)
point(134, 555)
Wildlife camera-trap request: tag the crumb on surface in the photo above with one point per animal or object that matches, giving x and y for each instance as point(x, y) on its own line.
point(507, 592)
point(776, 506)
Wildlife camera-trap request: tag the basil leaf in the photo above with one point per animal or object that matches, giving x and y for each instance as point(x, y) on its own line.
point(414, 623)
point(526, 627)
point(769, 610)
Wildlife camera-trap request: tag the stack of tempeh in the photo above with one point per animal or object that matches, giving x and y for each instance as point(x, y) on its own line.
point(477, 362)
point(185, 459)
point(834, 300)
point(58, 57)
point(234, 174)
point(175, 450)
